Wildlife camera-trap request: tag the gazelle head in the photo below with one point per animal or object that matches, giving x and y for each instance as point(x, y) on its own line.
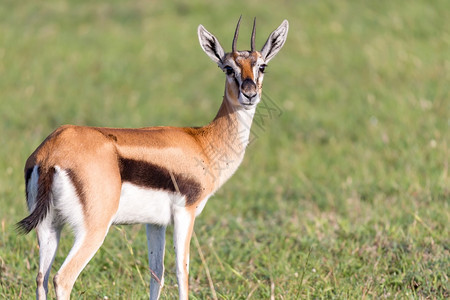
point(244, 69)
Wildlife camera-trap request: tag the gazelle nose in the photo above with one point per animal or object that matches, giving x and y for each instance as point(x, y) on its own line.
point(248, 88)
point(249, 96)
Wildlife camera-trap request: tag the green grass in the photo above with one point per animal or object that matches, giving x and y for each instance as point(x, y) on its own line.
point(344, 194)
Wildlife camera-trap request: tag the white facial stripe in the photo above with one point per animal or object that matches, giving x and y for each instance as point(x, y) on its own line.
point(258, 73)
point(236, 78)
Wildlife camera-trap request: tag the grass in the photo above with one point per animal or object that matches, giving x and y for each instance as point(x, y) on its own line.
point(343, 194)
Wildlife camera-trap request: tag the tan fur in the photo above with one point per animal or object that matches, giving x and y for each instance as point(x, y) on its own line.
point(90, 164)
point(92, 152)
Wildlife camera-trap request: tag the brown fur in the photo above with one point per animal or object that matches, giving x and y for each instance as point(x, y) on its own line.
point(193, 162)
point(91, 154)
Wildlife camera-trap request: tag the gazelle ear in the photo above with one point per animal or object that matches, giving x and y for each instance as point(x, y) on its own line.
point(275, 41)
point(210, 45)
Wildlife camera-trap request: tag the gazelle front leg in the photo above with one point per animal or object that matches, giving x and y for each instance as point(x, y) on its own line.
point(156, 240)
point(183, 225)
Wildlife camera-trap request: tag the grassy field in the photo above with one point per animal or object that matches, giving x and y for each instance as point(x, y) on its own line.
point(343, 195)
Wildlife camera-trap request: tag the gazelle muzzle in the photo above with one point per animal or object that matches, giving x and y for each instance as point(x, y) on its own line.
point(248, 89)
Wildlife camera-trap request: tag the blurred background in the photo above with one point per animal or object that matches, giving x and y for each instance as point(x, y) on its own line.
point(343, 194)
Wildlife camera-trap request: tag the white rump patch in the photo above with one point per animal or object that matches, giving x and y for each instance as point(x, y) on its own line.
point(66, 200)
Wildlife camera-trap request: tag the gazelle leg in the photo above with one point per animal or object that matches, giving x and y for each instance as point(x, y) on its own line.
point(88, 209)
point(87, 241)
point(156, 240)
point(183, 226)
point(48, 239)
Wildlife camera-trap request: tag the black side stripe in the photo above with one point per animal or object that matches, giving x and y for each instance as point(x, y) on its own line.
point(149, 175)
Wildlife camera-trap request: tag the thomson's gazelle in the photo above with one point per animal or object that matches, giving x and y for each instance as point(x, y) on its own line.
point(91, 178)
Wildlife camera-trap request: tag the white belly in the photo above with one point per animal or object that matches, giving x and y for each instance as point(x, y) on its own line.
point(142, 205)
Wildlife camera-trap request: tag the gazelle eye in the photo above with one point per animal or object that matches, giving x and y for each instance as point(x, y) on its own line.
point(229, 70)
point(262, 68)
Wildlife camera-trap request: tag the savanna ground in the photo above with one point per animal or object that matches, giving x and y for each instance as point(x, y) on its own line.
point(343, 194)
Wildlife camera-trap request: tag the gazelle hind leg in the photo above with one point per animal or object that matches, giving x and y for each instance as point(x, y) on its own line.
point(48, 238)
point(87, 241)
point(90, 225)
point(183, 226)
point(156, 240)
point(48, 233)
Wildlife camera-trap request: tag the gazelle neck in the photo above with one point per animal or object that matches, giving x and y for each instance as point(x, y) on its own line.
point(233, 119)
point(227, 136)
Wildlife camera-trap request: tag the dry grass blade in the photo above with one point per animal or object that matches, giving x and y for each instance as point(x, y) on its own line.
point(153, 274)
point(130, 249)
point(208, 274)
point(303, 272)
point(252, 291)
point(272, 289)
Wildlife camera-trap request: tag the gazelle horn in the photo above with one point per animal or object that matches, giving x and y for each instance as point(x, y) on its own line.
point(253, 35)
point(236, 33)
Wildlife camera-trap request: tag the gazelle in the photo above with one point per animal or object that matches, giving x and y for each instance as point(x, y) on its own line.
point(91, 177)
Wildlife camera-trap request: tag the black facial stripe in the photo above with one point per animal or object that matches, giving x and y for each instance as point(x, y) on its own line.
point(236, 81)
point(146, 174)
